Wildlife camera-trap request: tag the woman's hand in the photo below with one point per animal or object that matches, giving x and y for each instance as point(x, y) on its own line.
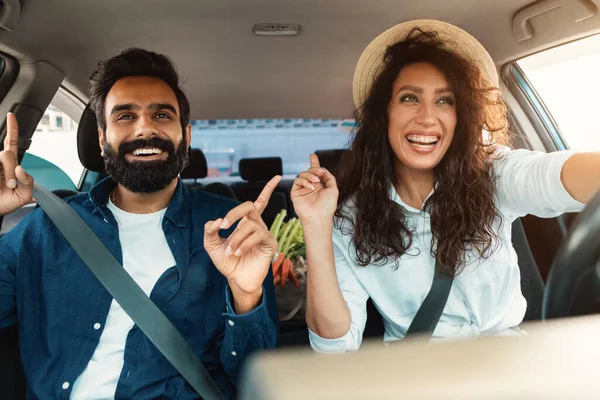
point(315, 193)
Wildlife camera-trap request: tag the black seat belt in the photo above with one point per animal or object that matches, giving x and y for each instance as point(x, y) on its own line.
point(121, 286)
point(430, 312)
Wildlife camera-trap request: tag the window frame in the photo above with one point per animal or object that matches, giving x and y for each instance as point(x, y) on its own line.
point(532, 103)
point(534, 108)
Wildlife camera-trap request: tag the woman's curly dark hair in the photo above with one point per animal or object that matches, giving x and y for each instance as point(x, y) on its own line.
point(462, 208)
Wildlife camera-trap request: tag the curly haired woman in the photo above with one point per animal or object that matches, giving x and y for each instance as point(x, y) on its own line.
point(428, 179)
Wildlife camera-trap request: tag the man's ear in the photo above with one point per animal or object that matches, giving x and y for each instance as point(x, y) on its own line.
point(188, 135)
point(100, 141)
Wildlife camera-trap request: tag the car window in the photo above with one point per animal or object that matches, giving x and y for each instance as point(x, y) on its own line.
point(567, 79)
point(52, 158)
point(225, 142)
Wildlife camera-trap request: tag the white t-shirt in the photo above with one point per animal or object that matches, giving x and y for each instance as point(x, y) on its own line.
point(146, 256)
point(486, 297)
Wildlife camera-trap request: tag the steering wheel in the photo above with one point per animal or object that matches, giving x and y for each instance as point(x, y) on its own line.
point(573, 285)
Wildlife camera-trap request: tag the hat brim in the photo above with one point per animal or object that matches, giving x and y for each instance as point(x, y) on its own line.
point(454, 38)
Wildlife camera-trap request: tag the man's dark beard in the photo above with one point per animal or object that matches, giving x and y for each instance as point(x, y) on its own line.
point(145, 176)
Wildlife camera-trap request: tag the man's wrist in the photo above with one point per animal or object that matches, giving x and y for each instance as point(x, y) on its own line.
point(244, 302)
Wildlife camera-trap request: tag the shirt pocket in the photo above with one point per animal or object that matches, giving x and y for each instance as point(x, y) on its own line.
point(486, 271)
point(481, 274)
point(202, 278)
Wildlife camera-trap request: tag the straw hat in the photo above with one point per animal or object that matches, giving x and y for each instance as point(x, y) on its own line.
point(455, 39)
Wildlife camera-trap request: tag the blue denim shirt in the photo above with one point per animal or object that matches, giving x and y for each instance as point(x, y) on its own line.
point(49, 292)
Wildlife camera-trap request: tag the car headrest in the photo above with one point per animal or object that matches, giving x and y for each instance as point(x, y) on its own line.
point(88, 147)
point(197, 168)
point(330, 159)
point(260, 169)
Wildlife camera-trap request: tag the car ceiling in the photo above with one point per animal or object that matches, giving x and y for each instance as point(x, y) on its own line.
point(230, 73)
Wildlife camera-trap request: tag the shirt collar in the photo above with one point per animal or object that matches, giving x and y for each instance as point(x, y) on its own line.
point(396, 198)
point(100, 192)
point(176, 211)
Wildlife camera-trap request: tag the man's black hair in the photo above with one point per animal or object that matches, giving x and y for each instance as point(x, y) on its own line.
point(135, 62)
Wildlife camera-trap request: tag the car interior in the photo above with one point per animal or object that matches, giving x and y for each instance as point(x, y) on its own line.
point(283, 60)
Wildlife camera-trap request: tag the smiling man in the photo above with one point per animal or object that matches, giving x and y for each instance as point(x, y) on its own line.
point(76, 341)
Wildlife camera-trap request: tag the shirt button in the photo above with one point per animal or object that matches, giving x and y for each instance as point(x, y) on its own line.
point(233, 353)
point(231, 323)
point(66, 385)
point(97, 326)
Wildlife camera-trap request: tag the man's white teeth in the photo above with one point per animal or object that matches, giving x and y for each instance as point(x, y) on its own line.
point(427, 140)
point(139, 152)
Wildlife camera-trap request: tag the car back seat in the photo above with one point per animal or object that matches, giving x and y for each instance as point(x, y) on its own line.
point(256, 172)
point(330, 159)
point(197, 169)
point(219, 188)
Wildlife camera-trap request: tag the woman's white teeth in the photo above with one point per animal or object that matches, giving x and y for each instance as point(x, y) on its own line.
point(423, 139)
point(140, 152)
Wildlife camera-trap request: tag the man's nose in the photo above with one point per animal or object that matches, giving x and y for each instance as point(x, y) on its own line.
point(145, 127)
